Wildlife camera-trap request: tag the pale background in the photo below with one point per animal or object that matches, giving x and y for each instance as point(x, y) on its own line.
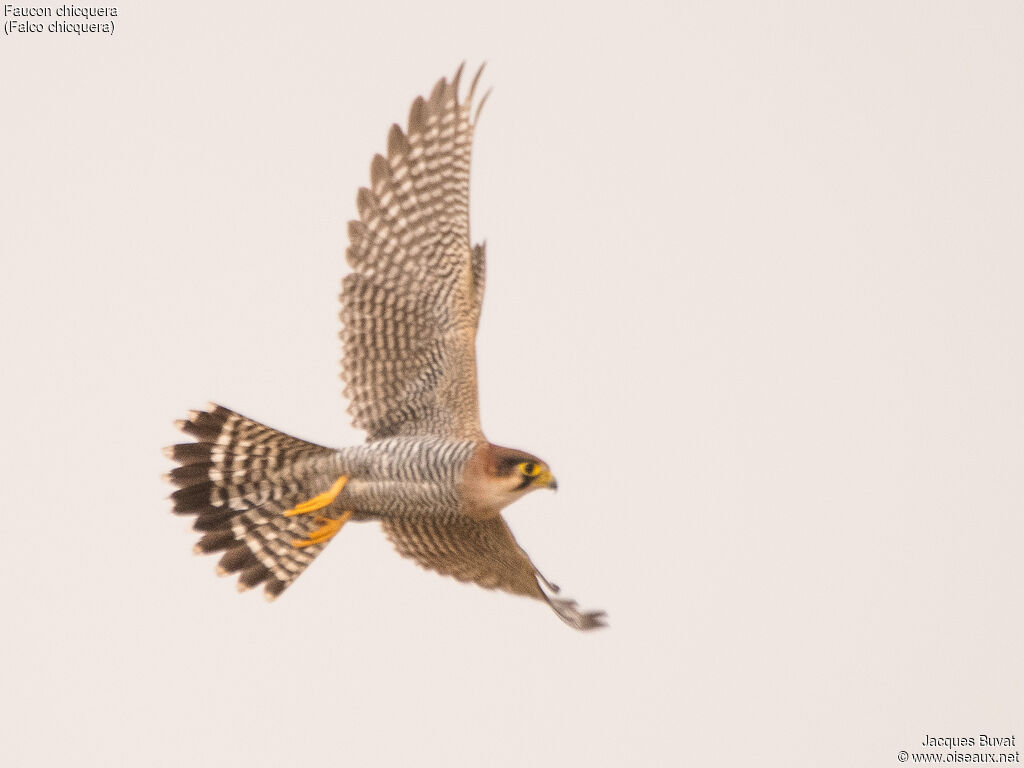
point(754, 292)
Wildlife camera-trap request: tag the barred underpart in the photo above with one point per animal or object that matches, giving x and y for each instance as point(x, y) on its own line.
point(405, 477)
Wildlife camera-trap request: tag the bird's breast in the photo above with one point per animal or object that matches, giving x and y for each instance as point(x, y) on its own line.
point(405, 476)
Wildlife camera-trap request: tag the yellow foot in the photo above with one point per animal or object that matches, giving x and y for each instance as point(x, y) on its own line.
point(320, 501)
point(328, 527)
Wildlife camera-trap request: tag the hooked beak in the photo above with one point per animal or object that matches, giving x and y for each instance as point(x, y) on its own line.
point(547, 480)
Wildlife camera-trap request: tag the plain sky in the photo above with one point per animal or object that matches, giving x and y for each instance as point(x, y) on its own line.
point(755, 293)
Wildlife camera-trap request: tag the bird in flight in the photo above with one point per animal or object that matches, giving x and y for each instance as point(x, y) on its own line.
point(410, 308)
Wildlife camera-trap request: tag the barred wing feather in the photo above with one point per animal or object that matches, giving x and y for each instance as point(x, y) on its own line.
point(410, 307)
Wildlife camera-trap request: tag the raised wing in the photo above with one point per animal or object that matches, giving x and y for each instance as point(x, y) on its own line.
point(410, 307)
point(484, 552)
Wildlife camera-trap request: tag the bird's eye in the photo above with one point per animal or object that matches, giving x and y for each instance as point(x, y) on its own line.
point(529, 468)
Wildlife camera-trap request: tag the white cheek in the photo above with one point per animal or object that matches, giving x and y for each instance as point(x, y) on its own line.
point(487, 496)
point(503, 492)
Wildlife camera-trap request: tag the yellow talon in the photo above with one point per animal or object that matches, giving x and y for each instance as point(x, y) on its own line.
point(320, 501)
point(328, 527)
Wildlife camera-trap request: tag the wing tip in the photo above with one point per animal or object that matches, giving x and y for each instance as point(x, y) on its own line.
point(584, 621)
point(456, 79)
point(476, 80)
point(480, 106)
point(417, 121)
point(568, 610)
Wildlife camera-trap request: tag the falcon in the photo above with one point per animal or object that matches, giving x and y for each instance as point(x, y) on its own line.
point(410, 309)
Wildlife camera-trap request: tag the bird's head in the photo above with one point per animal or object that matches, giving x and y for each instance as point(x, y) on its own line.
point(520, 472)
point(497, 476)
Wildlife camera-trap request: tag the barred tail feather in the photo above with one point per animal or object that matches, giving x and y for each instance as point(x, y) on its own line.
point(238, 478)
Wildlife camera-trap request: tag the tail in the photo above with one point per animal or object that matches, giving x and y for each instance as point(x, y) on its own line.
point(238, 479)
